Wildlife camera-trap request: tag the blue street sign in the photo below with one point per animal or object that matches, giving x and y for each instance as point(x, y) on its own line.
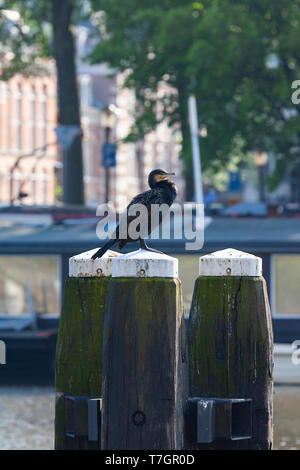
point(235, 183)
point(108, 155)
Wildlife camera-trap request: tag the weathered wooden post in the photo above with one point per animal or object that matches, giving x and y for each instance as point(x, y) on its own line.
point(230, 344)
point(79, 352)
point(142, 361)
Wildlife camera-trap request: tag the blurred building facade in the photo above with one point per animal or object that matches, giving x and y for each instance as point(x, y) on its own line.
point(100, 90)
point(134, 161)
point(28, 147)
point(31, 166)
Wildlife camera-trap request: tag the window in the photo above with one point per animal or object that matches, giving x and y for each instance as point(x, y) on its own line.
point(44, 118)
point(85, 91)
point(285, 285)
point(32, 189)
point(44, 186)
point(88, 157)
point(132, 160)
point(17, 286)
point(33, 124)
point(19, 123)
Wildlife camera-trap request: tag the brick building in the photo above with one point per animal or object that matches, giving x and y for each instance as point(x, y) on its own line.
point(134, 161)
point(28, 112)
point(27, 120)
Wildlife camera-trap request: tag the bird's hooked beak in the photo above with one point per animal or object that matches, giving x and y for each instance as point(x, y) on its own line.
point(164, 176)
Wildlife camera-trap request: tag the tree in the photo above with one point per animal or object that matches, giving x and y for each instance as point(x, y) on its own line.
point(220, 51)
point(41, 25)
point(275, 126)
point(134, 38)
point(69, 107)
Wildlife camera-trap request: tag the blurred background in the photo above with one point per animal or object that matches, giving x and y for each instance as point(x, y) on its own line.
point(93, 96)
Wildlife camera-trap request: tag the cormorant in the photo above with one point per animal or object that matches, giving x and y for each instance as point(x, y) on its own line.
point(163, 191)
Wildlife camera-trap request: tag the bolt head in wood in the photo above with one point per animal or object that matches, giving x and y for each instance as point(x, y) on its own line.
point(230, 262)
point(143, 263)
point(83, 266)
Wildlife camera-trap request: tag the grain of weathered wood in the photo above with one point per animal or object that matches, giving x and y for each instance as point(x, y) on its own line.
point(79, 349)
point(142, 365)
point(230, 345)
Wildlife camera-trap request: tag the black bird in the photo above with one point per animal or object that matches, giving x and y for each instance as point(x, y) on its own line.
point(163, 191)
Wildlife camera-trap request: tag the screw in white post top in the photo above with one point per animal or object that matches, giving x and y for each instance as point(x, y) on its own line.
point(143, 263)
point(83, 266)
point(230, 262)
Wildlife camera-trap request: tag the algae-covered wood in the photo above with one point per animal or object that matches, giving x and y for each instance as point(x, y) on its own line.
point(142, 365)
point(230, 345)
point(79, 348)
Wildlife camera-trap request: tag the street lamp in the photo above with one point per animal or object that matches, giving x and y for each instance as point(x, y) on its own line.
point(261, 160)
point(108, 120)
point(203, 131)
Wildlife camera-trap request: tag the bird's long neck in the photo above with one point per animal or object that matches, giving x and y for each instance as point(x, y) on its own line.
point(169, 188)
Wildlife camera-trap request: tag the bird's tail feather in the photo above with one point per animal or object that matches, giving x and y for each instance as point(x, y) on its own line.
point(104, 249)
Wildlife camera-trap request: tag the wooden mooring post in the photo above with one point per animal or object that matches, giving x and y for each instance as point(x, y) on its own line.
point(142, 356)
point(230, 345)
point(78, 379)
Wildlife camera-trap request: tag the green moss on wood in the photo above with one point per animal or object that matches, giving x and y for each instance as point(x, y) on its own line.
point(229, 327)
point(230, 344)
point(80, 336)
point(142, 363)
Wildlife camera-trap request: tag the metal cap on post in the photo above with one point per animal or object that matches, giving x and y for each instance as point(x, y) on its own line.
point(230, 343)
point(83, 266)
point(230, 262)
point(143, 263)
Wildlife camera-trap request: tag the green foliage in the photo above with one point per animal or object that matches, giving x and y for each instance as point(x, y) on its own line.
point(24, 36)
point(239, 58)
point(31, 31)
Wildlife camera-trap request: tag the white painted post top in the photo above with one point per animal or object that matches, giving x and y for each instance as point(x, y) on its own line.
point(230, 262)
point(83, 266)
point(143, 263)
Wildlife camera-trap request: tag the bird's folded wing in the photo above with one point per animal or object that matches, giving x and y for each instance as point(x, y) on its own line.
point(146, 198)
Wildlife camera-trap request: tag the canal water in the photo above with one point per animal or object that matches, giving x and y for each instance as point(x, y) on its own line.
point(27, 417)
